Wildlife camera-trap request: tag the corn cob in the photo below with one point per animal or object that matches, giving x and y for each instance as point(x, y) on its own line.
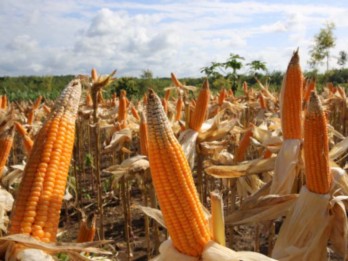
point(174, 184)
point(292, 100)
point(0, 101)
point(135, 113)
point(179, 105)
point(316, 148)
point(87, 230)
point(46, 108)
point(199, 114)
point(246, 89)
point(122, 110)
point(4, 102)
point(145, 99)
point(39, 198)
point(222, 96)
point(37, 103)
point(175, 80)
point(89, 101)
point(243, 146)
point(143, 135)
point(262, 101)
point(165, 105)
point(6, 142)
point(30, 117)
point(308, 90)
point(27, 141)
point(167, 94)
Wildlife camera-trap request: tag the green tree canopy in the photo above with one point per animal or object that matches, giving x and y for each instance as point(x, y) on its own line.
point(323, 42)
point(257, 65)
point(342, 58)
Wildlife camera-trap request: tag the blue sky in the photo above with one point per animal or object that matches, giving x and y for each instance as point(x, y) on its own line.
point(41, 37)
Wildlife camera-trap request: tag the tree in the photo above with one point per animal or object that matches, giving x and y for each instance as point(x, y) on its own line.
point(323, 42)
point(211, 71)
point(234, 63)
point(146, 74)
point(257, 65)
point(342, 58)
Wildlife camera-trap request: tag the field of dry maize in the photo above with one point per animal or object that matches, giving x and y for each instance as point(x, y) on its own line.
point(260, 176)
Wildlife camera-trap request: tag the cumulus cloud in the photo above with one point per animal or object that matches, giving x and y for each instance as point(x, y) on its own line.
point(70, 37)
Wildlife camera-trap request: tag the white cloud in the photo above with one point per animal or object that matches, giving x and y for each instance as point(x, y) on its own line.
point(61, 37)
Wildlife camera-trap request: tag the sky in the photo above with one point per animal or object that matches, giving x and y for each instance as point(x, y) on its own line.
point(41, 37)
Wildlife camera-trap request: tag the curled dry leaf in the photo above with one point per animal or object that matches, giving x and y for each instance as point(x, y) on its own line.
point(339, 149)
point(246, 168)
point(55, 248)
point(153, 213)
point(339, 229)
point(305, 233)
point(212, 252)
point(187, 139)
point(212, 147)
point(118, 139)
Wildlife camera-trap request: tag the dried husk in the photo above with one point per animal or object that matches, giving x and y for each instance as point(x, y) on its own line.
point(188, 139)
point(262, 209)
point(286, 167)
point(212, 252)
point(306, 230)
point(245, 168)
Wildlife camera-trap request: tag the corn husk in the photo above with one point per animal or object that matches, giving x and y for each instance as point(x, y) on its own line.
point(27, 254)
point(188, 140)
point(6, 203)
point(212, 252)
point(245, 168)
point(339, 150)
point(73, 250)
point(340, 179)
point(264, 208)
point(286, 170)
point(306, 230)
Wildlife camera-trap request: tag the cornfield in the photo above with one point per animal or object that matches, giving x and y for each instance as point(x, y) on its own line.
point(260, 176)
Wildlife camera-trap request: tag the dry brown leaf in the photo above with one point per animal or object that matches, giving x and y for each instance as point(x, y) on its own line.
point(243, 169)
point(263, 209)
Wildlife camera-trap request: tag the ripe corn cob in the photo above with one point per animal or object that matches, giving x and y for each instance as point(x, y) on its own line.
point(174, 184)
point(262, 101)
point(4, 102)
point(122, 110)
point(246, 89)
point(39, 198)
point(135, 113)
point(30, 117)
point(37, 103)
point(143, 134)
point(6, 142)
point(46, 108)
point(175, 80)
point(199, 114)
point(179, 105)
point(89, 101)
point(87, 230)
point(222, 96)
point(308, 90)
point(167, 94)
point(291, 107)
point(145, 99)
point(27, 141)
point(243, 146)
point(316, 148)
point(165, 105)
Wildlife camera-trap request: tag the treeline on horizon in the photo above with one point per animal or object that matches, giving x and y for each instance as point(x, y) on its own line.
point(30, 87)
